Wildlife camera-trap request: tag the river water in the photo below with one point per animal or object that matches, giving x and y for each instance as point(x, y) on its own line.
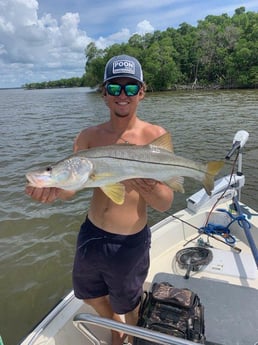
point(37, 127)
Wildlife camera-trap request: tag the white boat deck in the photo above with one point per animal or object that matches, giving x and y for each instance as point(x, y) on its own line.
point(227, 265)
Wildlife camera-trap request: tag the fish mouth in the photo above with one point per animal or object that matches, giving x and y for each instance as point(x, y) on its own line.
point(30, 180)
point(33, 181)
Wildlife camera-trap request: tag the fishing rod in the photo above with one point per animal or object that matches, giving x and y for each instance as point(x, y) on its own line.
point(238, 250)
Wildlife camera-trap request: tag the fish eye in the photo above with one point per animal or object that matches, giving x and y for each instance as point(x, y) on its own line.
point(49, 168)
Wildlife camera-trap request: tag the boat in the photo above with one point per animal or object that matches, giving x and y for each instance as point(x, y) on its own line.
point(226, 280)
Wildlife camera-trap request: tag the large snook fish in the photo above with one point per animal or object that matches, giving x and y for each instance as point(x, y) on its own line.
point(106, 166)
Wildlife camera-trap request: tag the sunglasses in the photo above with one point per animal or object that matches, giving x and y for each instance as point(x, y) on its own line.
point(129, 89)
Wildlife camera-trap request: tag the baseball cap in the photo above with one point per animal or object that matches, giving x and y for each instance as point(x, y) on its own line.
point(123, 66)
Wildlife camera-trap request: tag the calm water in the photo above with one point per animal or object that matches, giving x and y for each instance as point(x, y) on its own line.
point(38, 127)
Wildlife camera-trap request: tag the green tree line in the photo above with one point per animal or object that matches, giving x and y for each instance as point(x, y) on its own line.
point(71, 82)
point(221, 51)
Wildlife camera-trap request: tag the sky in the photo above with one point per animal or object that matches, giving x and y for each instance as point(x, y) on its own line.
point(42, 40)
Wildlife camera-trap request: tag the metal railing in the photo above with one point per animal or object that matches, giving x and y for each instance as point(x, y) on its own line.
point(82, 322)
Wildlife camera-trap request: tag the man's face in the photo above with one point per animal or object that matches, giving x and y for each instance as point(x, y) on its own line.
point(123, 95)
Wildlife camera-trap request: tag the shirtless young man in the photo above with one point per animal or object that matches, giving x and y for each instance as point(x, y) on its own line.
point(112, 256)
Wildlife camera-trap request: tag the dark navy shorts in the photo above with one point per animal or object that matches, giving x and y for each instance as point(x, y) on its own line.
point(111, 264)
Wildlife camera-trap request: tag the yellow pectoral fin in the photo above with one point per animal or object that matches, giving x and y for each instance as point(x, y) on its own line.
point(176, 183)
point(116, 192)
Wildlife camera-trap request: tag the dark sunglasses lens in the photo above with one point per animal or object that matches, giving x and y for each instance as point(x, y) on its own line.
point(131, 90)
point(114, 89)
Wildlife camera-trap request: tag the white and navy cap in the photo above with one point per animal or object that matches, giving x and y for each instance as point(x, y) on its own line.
point(123, 66)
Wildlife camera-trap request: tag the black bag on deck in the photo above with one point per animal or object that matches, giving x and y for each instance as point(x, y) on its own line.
point(173, 311)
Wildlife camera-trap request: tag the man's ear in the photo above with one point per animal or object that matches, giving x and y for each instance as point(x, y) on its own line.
point(141, 93)
point(142, 90)
point(103, 91)
point(104, 95)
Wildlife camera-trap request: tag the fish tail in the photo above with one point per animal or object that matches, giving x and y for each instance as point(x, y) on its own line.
point(213, 168)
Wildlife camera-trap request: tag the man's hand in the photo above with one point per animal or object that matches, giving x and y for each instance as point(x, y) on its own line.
point(143, 184)
point(48, 195)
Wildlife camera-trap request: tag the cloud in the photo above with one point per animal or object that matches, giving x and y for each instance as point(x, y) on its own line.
point(118, 37)
point(124, 35)
point(34, 48)
point(144, 27)
point(30, 44)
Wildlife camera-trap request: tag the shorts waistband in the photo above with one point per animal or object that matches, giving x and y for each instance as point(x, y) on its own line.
point(111, 236)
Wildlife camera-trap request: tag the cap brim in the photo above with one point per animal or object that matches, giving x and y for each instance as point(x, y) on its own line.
point(123, 76)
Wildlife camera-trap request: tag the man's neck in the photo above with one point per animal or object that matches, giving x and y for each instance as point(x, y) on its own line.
point(123, 124)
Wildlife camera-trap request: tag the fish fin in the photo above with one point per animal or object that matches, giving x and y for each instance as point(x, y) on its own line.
point(116, 192)
point(176, 183)
point(213, 169)
point(164, 142)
